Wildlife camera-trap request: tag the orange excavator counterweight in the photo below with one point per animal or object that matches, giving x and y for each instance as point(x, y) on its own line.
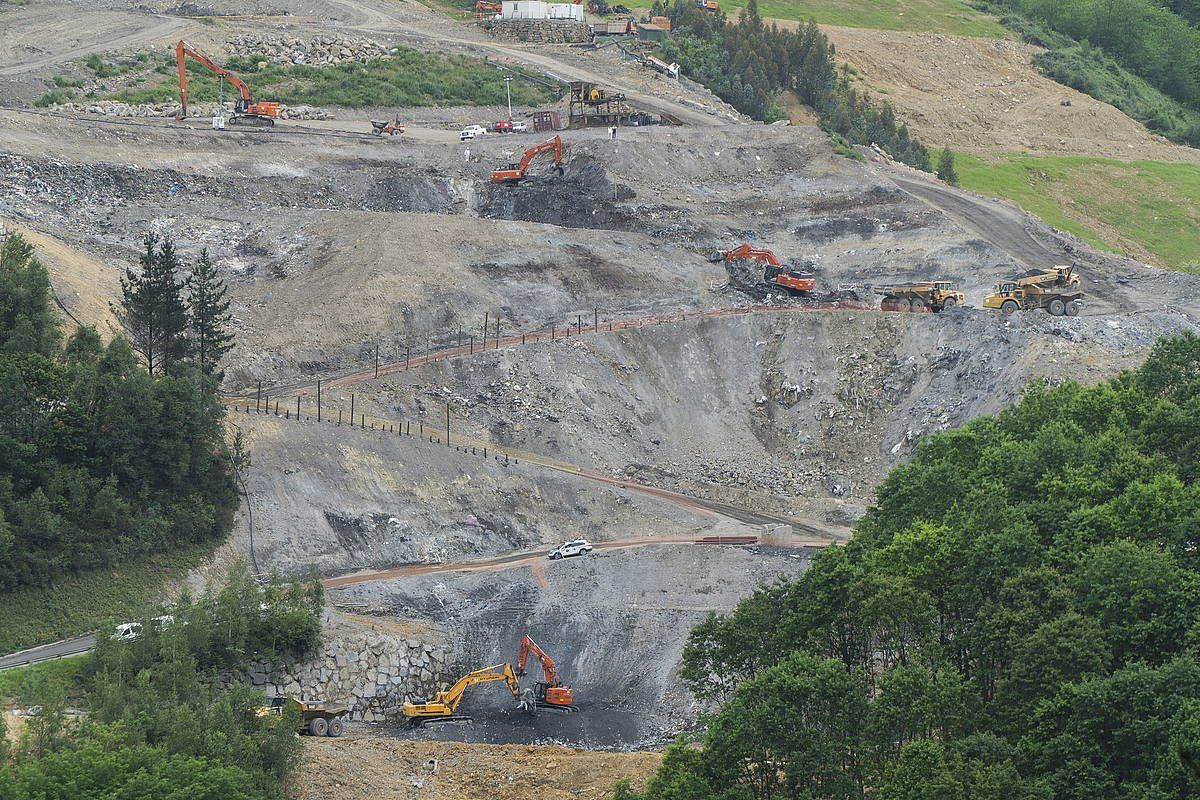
point(515, 173)
point(549, 692)
point(246, 109)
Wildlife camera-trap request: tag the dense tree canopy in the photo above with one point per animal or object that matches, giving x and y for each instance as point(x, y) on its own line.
point(99, 459)
point(749, 63)
point(1151, 39)
point(1016, 617)
point(160, 723)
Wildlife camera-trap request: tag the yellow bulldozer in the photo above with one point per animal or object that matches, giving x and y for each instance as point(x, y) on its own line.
point(1055, 290)
point(444, 706)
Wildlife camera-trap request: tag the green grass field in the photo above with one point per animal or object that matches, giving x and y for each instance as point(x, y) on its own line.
point(22, 683)
point(46, 614)
point(406, 79)
point(1147, 209)
point(942, 16)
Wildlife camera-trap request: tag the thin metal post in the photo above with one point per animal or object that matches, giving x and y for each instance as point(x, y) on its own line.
point(318, 399)
point(407, 355)
point(258, 398)
point(472, 344)
point(485, 329)
point(339, 418)
point(497, 332)
point(297, 407)
point(447, 424)
point(376, 361)
point(351, 409)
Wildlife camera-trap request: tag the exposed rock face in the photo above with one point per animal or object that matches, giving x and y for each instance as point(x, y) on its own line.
point(373, 673)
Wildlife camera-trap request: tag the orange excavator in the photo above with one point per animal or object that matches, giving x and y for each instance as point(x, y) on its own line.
point(484, 8)
point(774, 273)
point(246, 110)
point(548, 693)
point(515, 173)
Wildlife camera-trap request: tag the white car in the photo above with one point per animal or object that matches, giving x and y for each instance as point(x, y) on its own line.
point(520, 127)
point(470, 132)
point(128, 631)
point(575, 547)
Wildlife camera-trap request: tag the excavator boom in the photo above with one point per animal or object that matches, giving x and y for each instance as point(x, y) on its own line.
point(550, 691)
point(246, 107)
point(515, 173)
point(748, 251)
point(444, 704)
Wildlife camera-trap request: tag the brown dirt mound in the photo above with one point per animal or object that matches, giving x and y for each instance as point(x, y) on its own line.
point(373, 768)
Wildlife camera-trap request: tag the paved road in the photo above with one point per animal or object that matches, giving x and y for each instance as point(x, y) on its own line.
point(45, 652)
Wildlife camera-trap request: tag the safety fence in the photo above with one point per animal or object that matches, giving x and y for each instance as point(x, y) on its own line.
point(463, 343)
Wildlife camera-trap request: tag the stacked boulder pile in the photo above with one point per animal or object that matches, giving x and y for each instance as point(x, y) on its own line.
point(373, 673)
point(319, 51)
point(113, 108)
point(547, 31)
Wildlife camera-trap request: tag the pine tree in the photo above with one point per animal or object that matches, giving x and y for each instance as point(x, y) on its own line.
point(945, 167)
point(27, 325)
point(152, 307)
point(210, 317)
point(752, 12)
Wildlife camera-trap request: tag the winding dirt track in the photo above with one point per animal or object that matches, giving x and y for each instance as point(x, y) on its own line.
point(995, 222)
point(529, 557)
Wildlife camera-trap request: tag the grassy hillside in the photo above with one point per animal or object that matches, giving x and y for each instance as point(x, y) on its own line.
point(943, 16)
point(36, 615)
point(408, 78)
point(1147, 209)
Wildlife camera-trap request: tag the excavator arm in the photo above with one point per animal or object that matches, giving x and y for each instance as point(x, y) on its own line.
point(748, 251)
point(549, 692)
point(245, 106)
point(529, 646)
point(514, 173)
point(444, 704)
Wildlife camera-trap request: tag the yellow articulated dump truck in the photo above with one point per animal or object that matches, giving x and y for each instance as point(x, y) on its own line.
point(317, 718)
point(921, 296)
point(1055, 290)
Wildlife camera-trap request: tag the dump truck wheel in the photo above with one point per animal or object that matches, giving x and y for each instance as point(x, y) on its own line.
point(1057, 307)
point(949, 302)
point(318, 726)
point(335, 727)
point(1009, 306)
point(1073, 308)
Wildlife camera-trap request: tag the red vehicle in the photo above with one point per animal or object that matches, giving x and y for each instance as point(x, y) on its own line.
point(502, 126)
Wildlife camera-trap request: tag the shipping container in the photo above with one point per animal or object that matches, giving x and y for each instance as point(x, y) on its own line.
point(546, 121)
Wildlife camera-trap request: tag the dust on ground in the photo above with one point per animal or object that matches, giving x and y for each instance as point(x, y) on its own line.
point(365, 766)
